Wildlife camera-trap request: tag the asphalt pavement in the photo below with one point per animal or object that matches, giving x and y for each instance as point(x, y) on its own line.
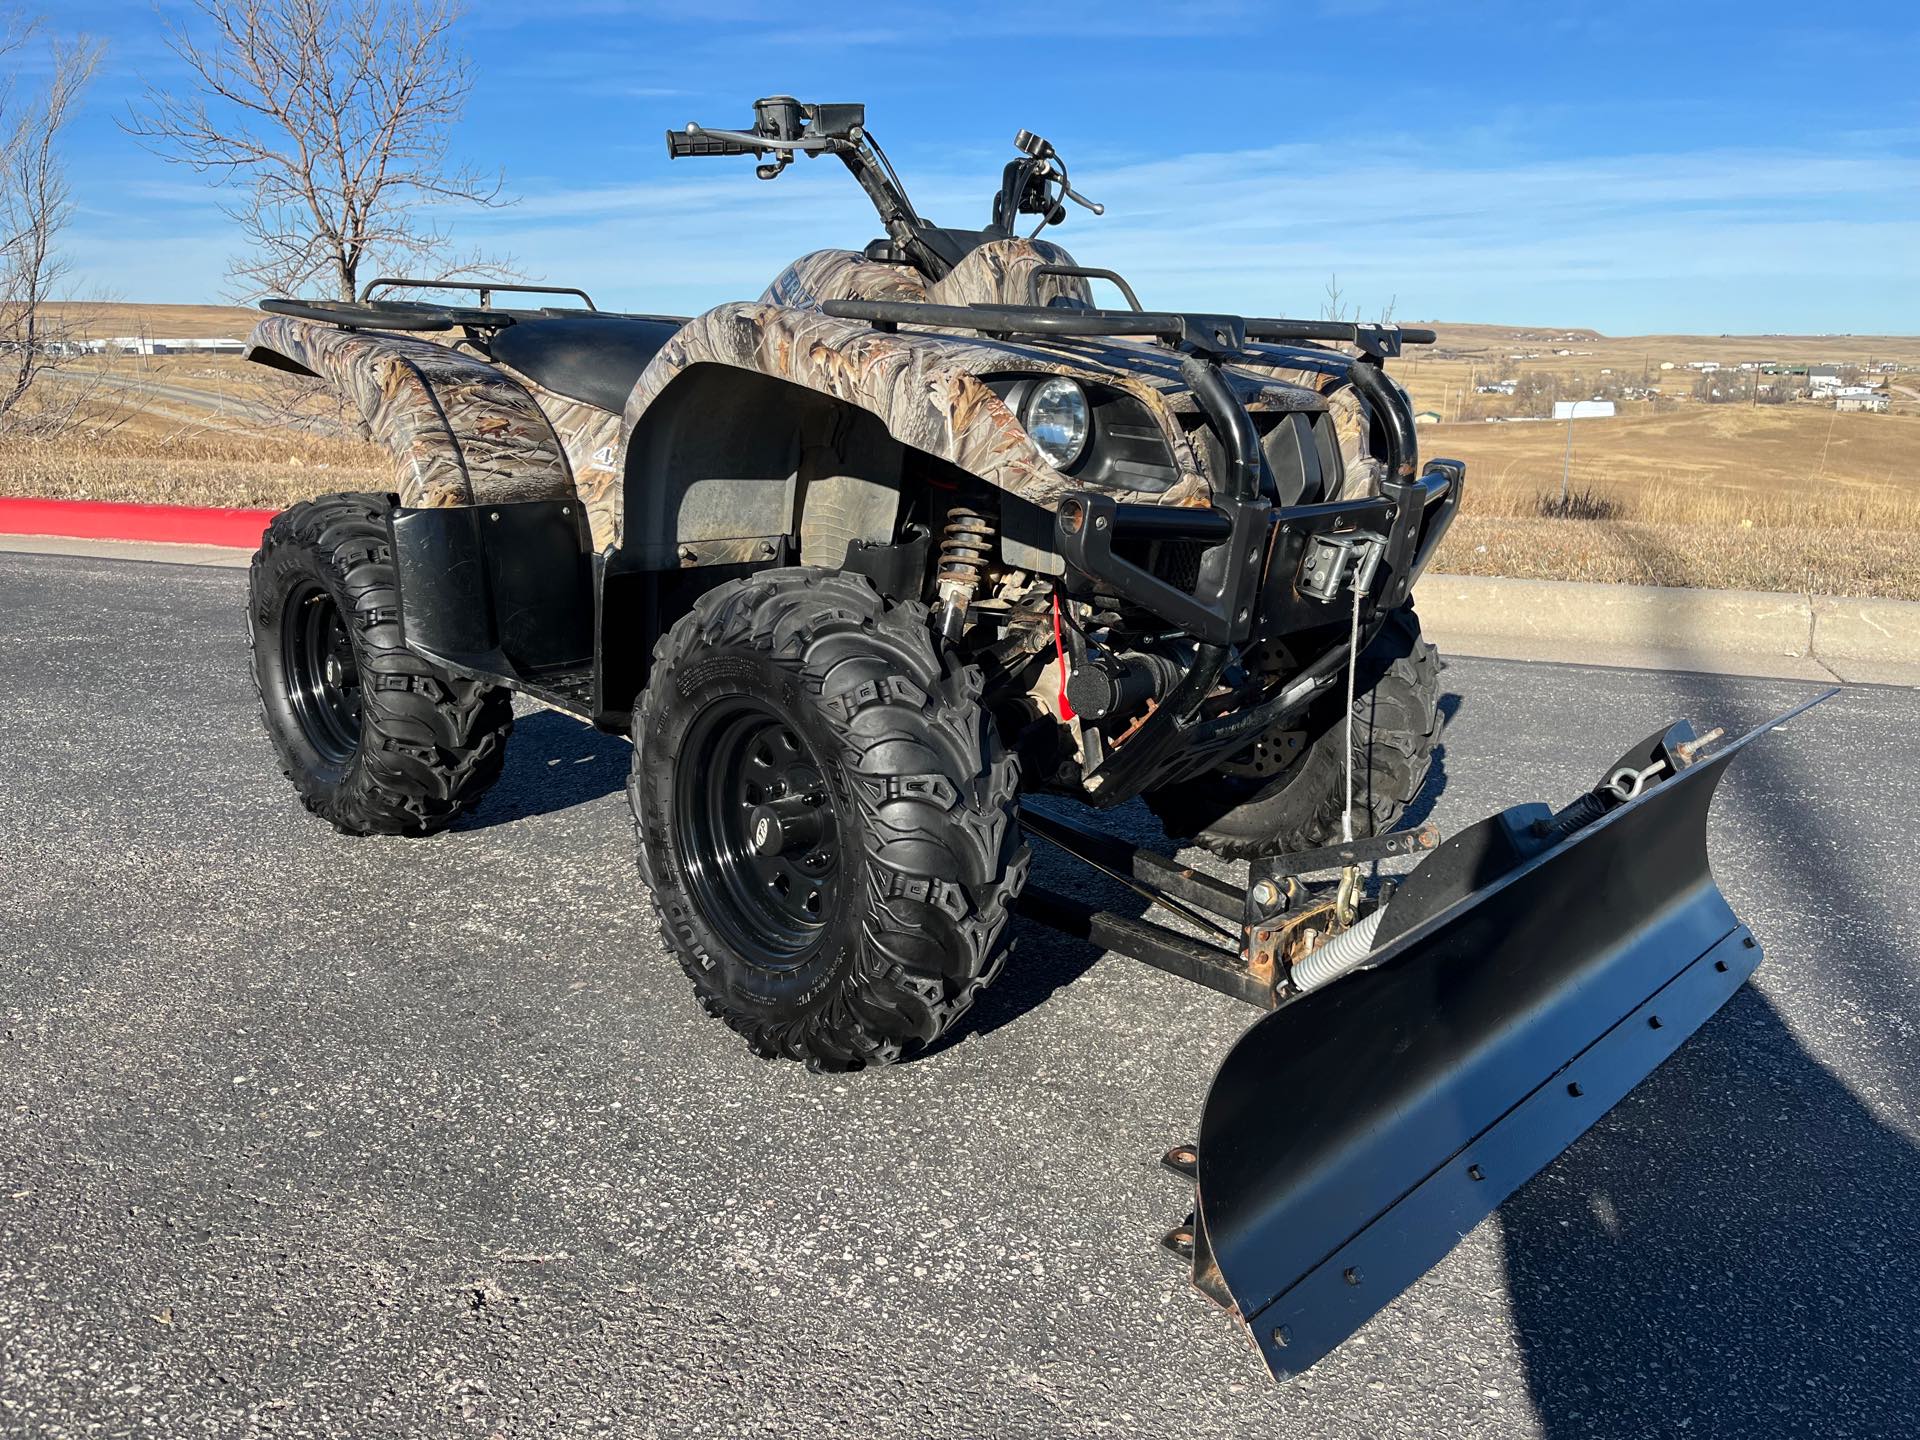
point(307, 1135)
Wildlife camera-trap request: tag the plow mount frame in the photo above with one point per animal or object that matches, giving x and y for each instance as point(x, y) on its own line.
point(1522, 979)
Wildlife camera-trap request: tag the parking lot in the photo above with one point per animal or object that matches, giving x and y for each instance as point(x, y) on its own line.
point(312, 1135)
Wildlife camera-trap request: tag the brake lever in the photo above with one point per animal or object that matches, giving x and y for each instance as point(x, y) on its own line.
point(1079, 199)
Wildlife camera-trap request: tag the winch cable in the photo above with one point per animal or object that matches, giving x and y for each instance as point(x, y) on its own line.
point(1353, 666)
point(1352, 947)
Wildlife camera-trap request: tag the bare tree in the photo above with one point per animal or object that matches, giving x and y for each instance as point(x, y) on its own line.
point(1332, 306)
point(332, 121)
point(36, 339)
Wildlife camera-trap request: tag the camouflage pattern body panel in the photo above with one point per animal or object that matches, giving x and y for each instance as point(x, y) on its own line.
point(590, 437)
point(460, 430)
point(925, 387)
point(843, 275)
point(1000, 272)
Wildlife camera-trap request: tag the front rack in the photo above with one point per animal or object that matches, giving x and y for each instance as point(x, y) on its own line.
point(1205, 333)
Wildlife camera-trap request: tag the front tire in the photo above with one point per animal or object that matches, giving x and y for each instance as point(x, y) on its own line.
point(374, 738)
point(1396, 722)
point(825, 817)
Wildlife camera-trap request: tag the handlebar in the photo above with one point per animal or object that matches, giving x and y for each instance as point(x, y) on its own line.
point(683, 144)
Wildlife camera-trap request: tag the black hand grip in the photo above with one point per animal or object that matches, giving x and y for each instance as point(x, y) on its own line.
point(680, 143)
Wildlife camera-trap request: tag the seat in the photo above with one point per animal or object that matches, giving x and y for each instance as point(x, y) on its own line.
point(591, 358)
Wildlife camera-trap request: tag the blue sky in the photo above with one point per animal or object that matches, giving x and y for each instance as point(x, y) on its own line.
point(1693, 167)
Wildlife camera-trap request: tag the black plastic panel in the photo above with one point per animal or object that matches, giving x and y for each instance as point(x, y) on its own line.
point(501, 590)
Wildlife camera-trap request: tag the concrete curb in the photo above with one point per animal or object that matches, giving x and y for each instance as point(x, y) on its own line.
point(227, 557)
point(1644, 626)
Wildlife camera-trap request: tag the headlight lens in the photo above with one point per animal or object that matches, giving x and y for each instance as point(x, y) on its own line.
point(1057, 418)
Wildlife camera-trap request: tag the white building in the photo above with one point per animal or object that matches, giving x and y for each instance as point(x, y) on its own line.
point(155, 345)
point(1583, 409)
point(1873, 402)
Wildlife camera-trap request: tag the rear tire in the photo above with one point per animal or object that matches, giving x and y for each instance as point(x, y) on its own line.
point(1396, 721)
point(374, 738)
point(876, 912)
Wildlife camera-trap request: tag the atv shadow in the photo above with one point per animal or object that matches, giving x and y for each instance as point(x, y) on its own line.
point(553, 763)
point(1733, 1252)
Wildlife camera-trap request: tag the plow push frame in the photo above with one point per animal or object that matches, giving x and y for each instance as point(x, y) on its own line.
point(1520, 981)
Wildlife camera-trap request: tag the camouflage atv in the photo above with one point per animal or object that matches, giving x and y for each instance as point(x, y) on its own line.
point(924, 530)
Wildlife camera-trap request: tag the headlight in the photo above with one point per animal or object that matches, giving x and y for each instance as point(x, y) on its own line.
point(1057, 418)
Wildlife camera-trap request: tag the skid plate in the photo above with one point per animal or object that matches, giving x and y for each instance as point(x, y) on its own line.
point(1351, 1139)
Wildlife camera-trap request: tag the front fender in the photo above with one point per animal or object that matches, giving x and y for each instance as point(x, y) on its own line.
point(925, 388)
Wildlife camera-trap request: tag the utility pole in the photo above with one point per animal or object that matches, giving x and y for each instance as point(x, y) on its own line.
point(1566, 461)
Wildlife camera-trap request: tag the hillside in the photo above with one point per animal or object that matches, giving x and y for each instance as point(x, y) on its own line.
point(1766, 496)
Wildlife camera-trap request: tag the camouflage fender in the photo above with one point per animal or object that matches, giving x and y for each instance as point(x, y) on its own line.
point(461, 432)
point(925, 387)
point(590, 437)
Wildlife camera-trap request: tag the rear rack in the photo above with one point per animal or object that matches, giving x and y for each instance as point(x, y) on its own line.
point(426, 315)
point(429, 316)
point(1206, 333)
point(485, 287)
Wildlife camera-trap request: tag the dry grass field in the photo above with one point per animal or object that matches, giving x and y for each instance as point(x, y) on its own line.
point(186, 322)
point(1792, 497)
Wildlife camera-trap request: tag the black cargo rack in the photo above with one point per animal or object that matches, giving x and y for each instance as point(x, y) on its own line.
point(1205, 333)
point(427, 316)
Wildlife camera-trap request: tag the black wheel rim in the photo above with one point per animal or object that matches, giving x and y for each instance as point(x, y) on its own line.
point(739, 760)
point(323, 675)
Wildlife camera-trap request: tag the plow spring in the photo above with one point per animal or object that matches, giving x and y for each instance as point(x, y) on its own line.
point(1425, 1057)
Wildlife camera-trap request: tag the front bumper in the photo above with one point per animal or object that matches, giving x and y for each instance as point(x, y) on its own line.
point(1263, 575)
point(1253, 582)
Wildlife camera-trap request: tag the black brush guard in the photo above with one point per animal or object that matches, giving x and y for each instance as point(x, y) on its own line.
point(1526, 975)
point(1250, 584)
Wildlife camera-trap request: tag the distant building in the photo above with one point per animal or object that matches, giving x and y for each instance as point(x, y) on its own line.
point(1823, 377)
point(1496, 387)
point(1873, 402)
point(1583, 409)
point(1666, 365)
point(1427, 417)
point(153, 345)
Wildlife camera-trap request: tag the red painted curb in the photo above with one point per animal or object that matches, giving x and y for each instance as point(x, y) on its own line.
point(160, 524)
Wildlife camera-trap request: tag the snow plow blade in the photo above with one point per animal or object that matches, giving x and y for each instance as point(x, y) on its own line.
point(1530, 972)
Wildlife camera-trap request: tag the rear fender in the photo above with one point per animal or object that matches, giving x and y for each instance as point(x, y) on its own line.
point(460, 431)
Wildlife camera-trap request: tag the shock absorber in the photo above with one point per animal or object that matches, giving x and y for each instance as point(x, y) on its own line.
point(966, 547)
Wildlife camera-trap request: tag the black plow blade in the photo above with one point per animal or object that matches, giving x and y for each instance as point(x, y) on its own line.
point(1530, 972)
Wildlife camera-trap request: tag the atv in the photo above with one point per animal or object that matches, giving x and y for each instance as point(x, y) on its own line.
point(925, 532)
